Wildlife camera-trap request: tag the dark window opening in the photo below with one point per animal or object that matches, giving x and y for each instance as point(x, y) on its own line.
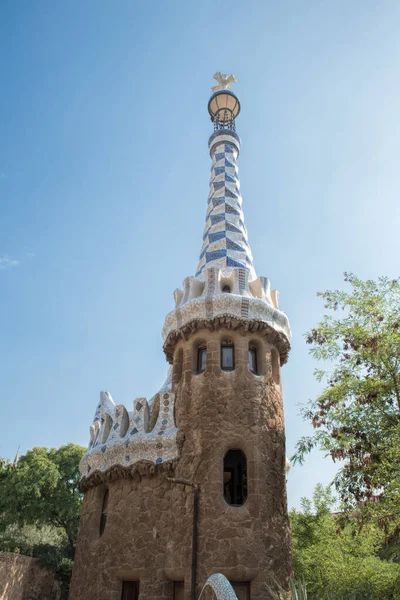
point(253, 360)
point(201, 359)
point(241, 589)
point(104, 509)
point(179, 590)
point(227, 356)
point(235, 477)
point(130, 590)
point(226, 289)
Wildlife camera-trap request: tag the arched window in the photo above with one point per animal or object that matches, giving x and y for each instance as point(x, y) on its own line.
point(226, 289)
point(201, 358)
point(227, 356)
point(104, 508)
point(235, 477)
point(130, 590)
point(252, 354)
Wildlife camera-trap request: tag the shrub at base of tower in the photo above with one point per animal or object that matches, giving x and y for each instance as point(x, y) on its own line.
point(357, 416)
point(40, 506)
point(298, 591)
point(341, 563)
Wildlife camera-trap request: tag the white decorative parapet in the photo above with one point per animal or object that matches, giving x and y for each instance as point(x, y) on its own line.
point(206, 299)
point(122, 438)
point(220, 586)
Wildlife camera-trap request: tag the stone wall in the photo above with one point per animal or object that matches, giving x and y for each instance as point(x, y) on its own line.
point(148, 533)
point(22, 579)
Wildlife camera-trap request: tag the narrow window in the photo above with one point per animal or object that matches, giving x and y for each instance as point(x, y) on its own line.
point(201, 359)
point(130, 590)
point(179, 590)
point(104, 508)
point(241, 589)
point(235, 477)
point(253, 359)
point(227, 356)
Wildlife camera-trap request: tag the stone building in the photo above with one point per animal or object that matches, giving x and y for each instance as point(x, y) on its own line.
point(193, 482)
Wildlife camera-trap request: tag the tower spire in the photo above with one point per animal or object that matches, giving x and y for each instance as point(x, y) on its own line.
point(225, 240)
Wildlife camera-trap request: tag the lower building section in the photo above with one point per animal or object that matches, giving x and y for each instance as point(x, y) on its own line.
point(139, 525)
point(140, 547)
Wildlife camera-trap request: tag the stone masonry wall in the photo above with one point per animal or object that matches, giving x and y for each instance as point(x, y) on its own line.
point(149, 525)
point(22, 579)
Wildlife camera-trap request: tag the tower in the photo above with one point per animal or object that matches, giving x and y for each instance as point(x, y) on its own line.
point(193, 481)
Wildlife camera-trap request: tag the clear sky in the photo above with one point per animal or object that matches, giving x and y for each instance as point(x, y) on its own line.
point(104, 179)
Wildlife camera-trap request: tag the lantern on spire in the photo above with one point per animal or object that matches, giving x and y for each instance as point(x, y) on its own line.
point(223, 106)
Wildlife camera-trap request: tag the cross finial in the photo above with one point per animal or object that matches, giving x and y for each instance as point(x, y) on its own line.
point(223, 81)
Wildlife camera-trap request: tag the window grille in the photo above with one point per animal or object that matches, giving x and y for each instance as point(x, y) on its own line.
point(227, 356)
point(253, 359)
point(201, 359)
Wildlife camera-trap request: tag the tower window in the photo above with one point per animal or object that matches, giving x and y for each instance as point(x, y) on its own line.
point(104, 509)
point(226, 289)
point(201, 359)
point(241, 589)
point(235, 477)
point(227, 356)
point(253, 359)
point(179, 590)
point(130, 590)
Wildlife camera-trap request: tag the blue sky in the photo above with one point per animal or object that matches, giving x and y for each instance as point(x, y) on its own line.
point(104, 179)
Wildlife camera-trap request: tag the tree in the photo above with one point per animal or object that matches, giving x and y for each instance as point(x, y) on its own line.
point(340, 562)
point(42, 489)
point(40, 506)
point(357, 415)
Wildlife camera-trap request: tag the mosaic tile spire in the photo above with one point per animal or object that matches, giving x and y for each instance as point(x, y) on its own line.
point(225, 240)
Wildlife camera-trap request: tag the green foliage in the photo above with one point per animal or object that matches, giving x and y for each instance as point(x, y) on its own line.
point(24, 539)
point(42, 488)
point(340, 561)
point(40, 507)
point(47, 544)
point(59, 560)
point(298, 591)
point(357, 416)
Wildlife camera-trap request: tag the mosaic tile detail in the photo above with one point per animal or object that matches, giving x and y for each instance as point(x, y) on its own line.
point(209, 308)
point(210, 290)
point(186, 287)
point(220, 586)
point(244, 309)
point(249, 301)
point(224, 231)
point(179, 317)
point(242, 280)
point(121, 437)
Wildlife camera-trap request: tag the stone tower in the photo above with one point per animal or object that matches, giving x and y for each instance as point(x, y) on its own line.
point(193, 482)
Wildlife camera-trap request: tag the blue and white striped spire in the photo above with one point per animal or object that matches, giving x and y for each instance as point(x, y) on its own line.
point(225, 241)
